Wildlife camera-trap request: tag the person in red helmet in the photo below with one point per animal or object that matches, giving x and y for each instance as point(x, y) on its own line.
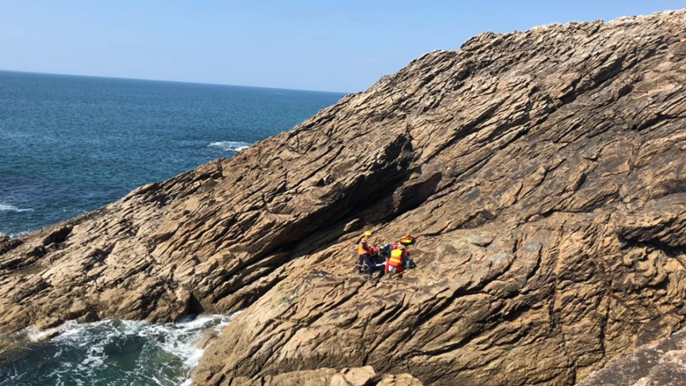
point(400, 256)
point(394, 264)
point(402, 245)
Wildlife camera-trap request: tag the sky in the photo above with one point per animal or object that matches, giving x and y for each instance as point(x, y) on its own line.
point(342, 46)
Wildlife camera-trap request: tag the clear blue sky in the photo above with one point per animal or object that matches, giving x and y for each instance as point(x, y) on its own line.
point(343, 45)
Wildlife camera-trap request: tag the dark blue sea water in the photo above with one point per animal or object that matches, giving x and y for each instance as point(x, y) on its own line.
point(71, 144)
point(111, 353)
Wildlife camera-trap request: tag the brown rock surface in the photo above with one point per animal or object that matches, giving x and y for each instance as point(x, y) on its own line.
point(399, 380)
point(360, 376)
point(542, 171)
point(657, 364)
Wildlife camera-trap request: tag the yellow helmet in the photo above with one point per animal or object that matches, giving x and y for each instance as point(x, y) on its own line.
point(367, 233)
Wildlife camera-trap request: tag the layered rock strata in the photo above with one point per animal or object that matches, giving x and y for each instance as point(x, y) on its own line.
point(542, 173)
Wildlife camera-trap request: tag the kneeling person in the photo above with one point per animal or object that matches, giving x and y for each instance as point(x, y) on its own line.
point(394, 264)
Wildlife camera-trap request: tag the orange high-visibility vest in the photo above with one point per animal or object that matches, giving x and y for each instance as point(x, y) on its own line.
point(401, 247)
point(396, 259)
point(361, 248)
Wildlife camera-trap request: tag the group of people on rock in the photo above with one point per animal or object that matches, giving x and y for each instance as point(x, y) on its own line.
point(386, 258)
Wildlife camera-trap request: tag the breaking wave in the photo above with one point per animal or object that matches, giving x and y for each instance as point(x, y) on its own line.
point(113, 353)
point(229, 145)
point(12, 208)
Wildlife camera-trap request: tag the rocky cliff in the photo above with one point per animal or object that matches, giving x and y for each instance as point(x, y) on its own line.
point(542, 172)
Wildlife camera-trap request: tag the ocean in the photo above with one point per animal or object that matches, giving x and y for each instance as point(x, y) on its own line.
point(70, 144)
point(111, 353)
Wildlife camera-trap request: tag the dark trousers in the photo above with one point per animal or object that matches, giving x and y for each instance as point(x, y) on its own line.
point(364, 258)
point(381, 267)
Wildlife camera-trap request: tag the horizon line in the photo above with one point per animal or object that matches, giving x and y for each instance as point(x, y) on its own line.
point(174, 81)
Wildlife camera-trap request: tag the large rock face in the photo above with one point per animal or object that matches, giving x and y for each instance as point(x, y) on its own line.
point(543, 173)
point(661, 364)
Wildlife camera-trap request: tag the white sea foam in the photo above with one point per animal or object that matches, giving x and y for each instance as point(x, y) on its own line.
point(13, 376)
point(36, 336)
point(161, 354)
point(230, 145)
point(11, 208)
